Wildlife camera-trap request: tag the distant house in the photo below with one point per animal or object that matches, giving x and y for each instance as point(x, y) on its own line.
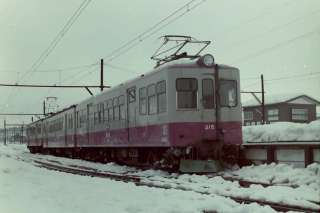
point(299, 108)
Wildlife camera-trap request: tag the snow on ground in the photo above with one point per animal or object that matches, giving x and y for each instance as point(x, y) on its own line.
point(306, 181)
point(282, 131)
point(26, 188)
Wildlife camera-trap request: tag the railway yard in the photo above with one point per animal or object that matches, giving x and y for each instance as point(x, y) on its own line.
point(189, 106)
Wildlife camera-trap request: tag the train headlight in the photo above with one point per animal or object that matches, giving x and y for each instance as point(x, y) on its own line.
point(207, 60)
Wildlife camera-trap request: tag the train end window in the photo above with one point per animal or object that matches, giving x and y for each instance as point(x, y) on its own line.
point(228, 93)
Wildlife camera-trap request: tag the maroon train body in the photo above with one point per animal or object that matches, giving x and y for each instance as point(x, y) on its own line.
point(182, 111)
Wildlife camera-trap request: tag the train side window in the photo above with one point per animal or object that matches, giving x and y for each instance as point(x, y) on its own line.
point(161, 96)
point(152, 99)
point(110, 109)
point(187, 89)
point(95, 114)
point(207, 93)
point(100, 112)
point(143, 101)
point(77, 119)
point(228, 93)
point(106, 112)
point(121, 108)
point(116, 108)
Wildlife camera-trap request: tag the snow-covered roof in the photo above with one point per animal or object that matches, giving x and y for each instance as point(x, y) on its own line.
point(298, 98)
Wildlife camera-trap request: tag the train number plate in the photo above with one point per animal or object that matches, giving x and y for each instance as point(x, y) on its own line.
point(209, 127)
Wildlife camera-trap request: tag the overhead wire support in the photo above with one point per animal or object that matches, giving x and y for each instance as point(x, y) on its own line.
point(21, 114)
point(53, 86)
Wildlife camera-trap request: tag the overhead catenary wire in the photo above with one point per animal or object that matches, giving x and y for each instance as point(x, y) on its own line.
point(276, 46)
point(140, 35)
point(271, 30)
point(58, 37)
point(152, 30)
point(146, 34)
point(51, 46)
point(283, 78)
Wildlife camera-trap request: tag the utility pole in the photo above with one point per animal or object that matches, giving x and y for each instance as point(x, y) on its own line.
point(101, 75)
point(262, 102)
point(21, 138)
point(5, 133)
point(44, 108)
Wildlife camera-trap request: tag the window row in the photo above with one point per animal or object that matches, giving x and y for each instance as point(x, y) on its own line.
point(297, 114)
point(187, 91)
point(55, 125)
point(153, 99)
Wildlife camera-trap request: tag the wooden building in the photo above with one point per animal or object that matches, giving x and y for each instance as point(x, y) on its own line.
point(299, 108)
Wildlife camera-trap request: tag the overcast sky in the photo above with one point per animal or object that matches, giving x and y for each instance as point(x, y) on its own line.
point(277, 38)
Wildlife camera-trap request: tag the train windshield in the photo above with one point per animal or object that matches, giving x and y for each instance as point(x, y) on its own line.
point(187, 89)
point(228, 93)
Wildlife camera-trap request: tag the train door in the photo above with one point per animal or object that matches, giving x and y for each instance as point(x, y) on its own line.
point(131, 113)
point(208, 115)
point(89, 123)
point(75, 126)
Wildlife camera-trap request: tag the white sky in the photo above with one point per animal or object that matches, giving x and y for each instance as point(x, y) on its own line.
point(277, 38)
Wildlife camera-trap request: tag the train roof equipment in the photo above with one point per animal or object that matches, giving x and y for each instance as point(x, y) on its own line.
point(175, 47)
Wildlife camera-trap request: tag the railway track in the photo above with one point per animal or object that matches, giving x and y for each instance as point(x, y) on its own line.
point(141, 181)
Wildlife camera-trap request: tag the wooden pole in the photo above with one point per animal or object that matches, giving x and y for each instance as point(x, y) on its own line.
point(101, 75)
point(44, 108)
point(262, 102)
point(5, 133)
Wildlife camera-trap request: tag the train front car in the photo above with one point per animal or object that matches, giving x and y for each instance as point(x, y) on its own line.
point(205, 114)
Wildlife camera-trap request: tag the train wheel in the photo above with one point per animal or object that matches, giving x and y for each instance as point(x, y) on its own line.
point(153, 159)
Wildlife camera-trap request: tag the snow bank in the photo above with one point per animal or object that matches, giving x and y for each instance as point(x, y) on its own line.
point(282, 131)
point(305, 178)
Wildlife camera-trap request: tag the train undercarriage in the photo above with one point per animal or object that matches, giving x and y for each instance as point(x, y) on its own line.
point(183, 159)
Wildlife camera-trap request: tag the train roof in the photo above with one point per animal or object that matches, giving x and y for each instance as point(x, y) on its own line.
point(180, 63)
point(281, 98)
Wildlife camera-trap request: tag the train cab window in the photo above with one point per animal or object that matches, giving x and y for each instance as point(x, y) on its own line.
point(121, 108)
point(186, 93)
point(228, 93)
point(152, 99)
point(115, 108)
point(207, 94)
point(161, 96)
point(143, 101)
